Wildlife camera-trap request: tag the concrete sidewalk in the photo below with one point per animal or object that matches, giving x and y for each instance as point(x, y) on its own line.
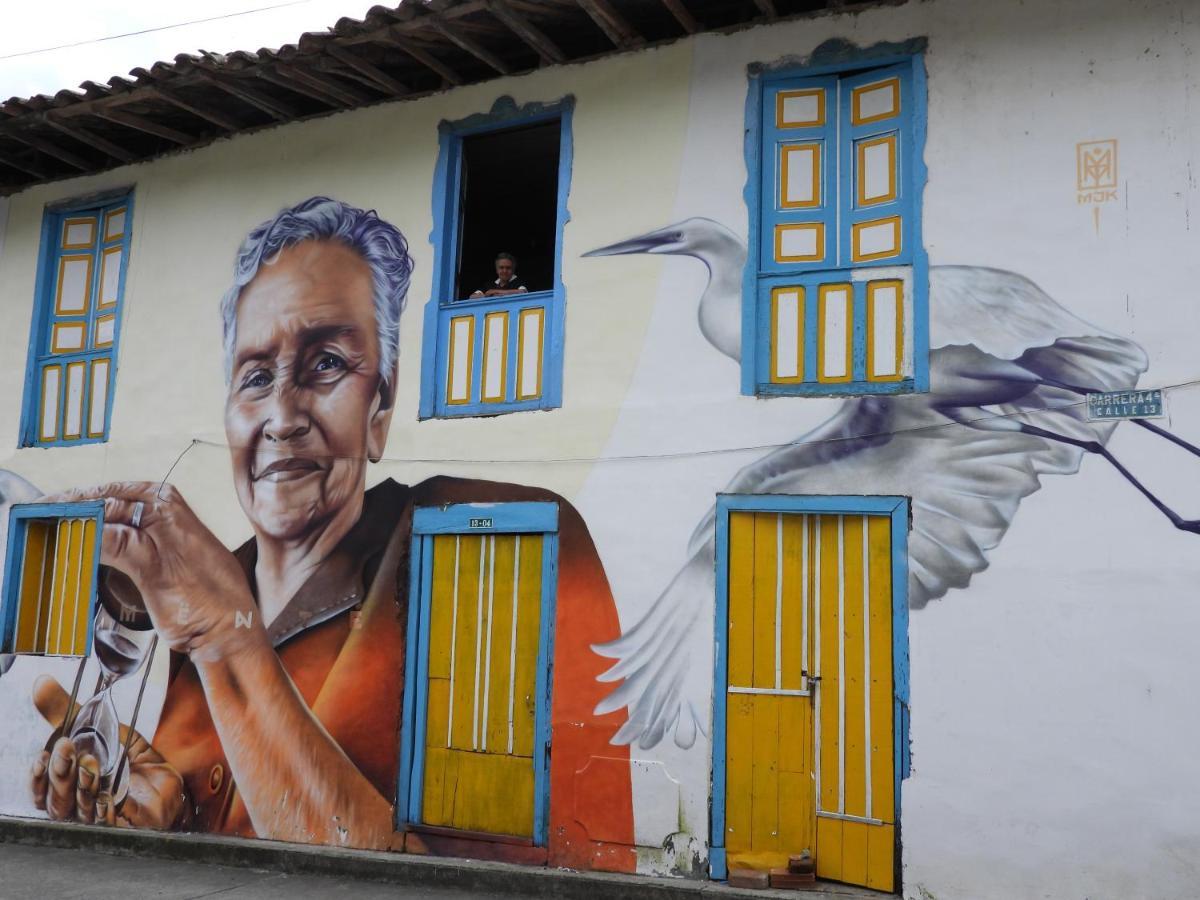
point(51, 860)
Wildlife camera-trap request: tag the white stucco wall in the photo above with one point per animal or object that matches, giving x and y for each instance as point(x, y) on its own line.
point(1053, 716)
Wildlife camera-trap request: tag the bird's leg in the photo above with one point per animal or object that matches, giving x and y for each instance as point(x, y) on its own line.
point(1149, 426)
point(1192, 525)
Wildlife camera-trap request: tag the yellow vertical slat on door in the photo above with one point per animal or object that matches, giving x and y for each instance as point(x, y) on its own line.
point(59, 592)
point(881, 839)
point(36, 572)
point(829, 830)
point(470, 577)
point(482, 683)
point(792, 626)
point(528, 629)
point(500, 643)
point(796, 831)
point(764, 821)
point(87, 564)
point(854, 755)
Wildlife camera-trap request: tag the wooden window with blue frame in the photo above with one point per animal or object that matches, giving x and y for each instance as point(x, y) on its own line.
point(835, 290)
point(491, 355)
point(76, 326)
point(48, 599)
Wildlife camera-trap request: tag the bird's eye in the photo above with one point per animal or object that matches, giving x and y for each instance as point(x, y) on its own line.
point(678, 236)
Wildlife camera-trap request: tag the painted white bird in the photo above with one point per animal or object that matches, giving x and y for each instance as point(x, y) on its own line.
point(1008, 366)
point(13, 489)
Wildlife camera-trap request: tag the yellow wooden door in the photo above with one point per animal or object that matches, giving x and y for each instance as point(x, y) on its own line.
point(809, 746)
point(484, 624)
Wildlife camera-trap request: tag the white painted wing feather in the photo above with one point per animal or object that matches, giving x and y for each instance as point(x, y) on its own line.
point(966, 468)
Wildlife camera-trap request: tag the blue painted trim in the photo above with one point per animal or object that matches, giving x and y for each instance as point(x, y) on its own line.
point(716, 837)
point(417, 583)
point(503, 518)
point(544, 688)
point(919, 97)
point(507, 518)
point(833, 504)
point(717, 870)
point(44, 315)
point(833, 62)
point(18, 518)
point(897, 508)
point(420, 684)
point(445, 239)
point(37, 329)
point(751, 141)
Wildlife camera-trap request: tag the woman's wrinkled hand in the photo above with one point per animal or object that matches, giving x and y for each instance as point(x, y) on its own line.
point(193, 586)
point(68, 785)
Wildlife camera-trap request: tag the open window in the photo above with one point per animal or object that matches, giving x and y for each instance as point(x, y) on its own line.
point(509, 204)
point(493, 344)
point(49, 593)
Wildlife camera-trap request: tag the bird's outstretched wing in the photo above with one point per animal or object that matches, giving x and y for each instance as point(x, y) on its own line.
point(13, 489)
point(661, 683)
point(966, 469)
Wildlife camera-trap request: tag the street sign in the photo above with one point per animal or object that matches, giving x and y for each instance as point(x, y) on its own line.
point(1125, 405)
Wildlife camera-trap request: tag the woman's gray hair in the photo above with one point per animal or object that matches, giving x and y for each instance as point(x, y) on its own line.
point(380, 244)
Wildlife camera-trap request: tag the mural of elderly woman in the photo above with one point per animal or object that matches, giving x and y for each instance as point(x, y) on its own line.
point(282, 716)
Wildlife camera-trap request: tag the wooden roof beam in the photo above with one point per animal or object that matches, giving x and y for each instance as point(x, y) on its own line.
point(278, 111)
point(209, 115)
point(476, 49)
point(373, 73)
point(427, 60)
point(147, 126)
point(612, 23)
point(22, 166)
point(52, 149)
point(78, 133)
point(685, 19)
point(296, 87)
point(334, 88)
point(527, 31)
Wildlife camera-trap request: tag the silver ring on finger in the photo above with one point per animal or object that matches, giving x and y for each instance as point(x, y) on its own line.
point(136, 519)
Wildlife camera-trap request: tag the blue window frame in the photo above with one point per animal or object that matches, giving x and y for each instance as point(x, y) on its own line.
point(48, 600)
point(492, 355)
point(76, 327)
point(835, 290)
point(475, 519)
point(897, 510)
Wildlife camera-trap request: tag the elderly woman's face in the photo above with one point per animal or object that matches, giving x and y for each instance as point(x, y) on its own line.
point(306, 403)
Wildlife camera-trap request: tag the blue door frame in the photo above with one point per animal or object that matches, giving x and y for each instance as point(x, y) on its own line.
point(894, 507)
point(473, 519)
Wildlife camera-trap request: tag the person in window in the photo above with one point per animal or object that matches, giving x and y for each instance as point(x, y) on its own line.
point(506, 281)
point(282, 715)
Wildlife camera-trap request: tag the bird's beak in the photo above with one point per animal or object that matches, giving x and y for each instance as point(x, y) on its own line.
point(651, 242)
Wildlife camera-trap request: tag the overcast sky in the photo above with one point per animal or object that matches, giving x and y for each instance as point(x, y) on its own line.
point(34, 25)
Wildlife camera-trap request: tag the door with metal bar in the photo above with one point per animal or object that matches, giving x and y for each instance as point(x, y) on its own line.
point(476, 749)
point(809, 762)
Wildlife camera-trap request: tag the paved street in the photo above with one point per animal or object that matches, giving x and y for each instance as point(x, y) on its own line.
point(48, 873)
